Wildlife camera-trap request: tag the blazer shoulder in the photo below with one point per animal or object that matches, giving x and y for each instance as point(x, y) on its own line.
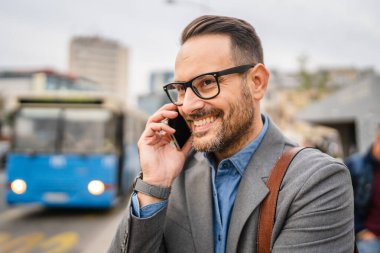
point(312, 159)
point(312, 164)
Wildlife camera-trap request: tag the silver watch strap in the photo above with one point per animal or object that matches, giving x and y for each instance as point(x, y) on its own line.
point(152, 190)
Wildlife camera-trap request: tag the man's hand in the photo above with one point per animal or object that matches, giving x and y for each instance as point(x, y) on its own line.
point(160, 161)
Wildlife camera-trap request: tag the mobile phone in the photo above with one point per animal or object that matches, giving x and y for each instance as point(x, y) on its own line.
point(182, 133)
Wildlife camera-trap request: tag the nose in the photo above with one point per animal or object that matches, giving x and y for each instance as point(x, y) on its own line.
point(191, 102)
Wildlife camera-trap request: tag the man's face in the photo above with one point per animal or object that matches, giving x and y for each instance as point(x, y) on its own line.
point(224, 122)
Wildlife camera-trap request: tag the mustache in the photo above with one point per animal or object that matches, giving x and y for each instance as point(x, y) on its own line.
point(203, 112)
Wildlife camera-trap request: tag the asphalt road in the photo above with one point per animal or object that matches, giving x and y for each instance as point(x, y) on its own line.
point(34, 229)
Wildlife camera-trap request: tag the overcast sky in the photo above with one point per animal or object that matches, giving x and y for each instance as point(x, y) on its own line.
point(332, 33)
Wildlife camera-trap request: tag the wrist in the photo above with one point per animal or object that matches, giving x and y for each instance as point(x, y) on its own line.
point(158, 181)
point(145, 200)
point(152, 190)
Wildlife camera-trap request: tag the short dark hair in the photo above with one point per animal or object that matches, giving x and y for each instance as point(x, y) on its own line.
point(245, 43)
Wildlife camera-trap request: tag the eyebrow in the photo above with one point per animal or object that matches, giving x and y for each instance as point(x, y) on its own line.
point(208, 72)
point(205, 73)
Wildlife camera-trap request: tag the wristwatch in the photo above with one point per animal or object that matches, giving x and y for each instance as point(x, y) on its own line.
point(151, 190)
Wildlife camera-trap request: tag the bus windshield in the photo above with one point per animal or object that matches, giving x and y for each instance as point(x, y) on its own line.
point(88, 131)
point(66, 130)
point(36, 130)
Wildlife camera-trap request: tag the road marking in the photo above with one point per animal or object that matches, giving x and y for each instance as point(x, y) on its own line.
point(22, 244)
point(60, 243)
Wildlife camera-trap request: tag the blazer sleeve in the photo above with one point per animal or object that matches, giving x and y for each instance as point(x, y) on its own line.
point(139, 235)
point(315, 207)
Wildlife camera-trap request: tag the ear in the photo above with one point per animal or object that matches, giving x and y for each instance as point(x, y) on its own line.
point(258, 78)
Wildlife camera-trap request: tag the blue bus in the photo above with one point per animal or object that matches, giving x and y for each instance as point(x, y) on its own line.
point(72, 152)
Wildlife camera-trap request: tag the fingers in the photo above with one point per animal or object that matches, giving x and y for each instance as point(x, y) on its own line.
point(166, 111)
point(160, 139)
point(157, 132)
point(153, 128)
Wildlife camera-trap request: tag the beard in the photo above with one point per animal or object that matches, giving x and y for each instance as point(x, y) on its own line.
point(233, 128)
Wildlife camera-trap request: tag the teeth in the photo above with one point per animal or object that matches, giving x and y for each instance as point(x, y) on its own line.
point(204, 121)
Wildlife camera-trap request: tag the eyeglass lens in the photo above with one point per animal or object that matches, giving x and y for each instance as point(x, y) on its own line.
point(204, 86)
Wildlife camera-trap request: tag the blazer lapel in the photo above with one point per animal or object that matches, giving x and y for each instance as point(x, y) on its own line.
point(252, 189)
point(199, 196)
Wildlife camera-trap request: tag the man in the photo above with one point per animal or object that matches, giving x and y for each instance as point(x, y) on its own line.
point(365, 173)
point(218, 178)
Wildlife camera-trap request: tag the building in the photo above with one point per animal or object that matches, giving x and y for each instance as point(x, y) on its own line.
point(101, 60)
point(16, 82)
point(39, 80)
point(156, 96)
point(345, 76)
point(304, 105)
point(353, 110)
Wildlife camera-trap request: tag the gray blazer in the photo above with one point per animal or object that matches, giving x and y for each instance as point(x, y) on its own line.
point(314, 211)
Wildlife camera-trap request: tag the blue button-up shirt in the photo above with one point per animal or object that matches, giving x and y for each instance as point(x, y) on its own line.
point(225, 183)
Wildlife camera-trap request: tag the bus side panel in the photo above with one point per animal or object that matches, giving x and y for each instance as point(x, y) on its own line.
point(62, 180)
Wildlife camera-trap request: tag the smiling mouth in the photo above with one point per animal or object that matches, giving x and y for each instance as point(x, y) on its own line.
point(204, 121)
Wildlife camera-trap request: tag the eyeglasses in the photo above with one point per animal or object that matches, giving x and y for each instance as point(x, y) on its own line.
point(205, 86)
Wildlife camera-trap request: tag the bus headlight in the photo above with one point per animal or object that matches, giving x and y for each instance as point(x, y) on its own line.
point(96, 187)
point(18, 186)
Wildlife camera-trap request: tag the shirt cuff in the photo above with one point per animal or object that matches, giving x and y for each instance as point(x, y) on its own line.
point(147, 211)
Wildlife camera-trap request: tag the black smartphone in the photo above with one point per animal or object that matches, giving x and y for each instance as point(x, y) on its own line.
point(182, 133)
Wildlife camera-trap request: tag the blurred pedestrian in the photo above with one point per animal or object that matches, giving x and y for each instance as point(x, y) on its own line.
point(365, 173)
point(206, 196)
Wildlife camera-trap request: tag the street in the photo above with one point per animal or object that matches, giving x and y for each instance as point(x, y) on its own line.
point(34, 229)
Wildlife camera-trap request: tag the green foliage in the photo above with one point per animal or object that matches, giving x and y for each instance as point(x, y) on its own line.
point(315, 82)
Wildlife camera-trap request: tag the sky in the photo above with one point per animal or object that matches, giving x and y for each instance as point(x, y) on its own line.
point(331, 33)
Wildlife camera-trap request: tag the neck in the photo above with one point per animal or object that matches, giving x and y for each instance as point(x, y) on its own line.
point(243, 141)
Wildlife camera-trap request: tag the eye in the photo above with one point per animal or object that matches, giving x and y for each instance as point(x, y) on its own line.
point(207, 82)
point(204, 82)
point(180, 88)
point(176, 87)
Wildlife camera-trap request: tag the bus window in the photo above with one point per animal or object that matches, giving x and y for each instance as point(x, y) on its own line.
point(87, 131)
point(36, 130)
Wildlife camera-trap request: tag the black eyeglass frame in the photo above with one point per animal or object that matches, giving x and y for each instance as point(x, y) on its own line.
point(234, 70)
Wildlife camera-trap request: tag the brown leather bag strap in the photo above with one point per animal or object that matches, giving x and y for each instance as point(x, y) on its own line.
point(268, 207)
